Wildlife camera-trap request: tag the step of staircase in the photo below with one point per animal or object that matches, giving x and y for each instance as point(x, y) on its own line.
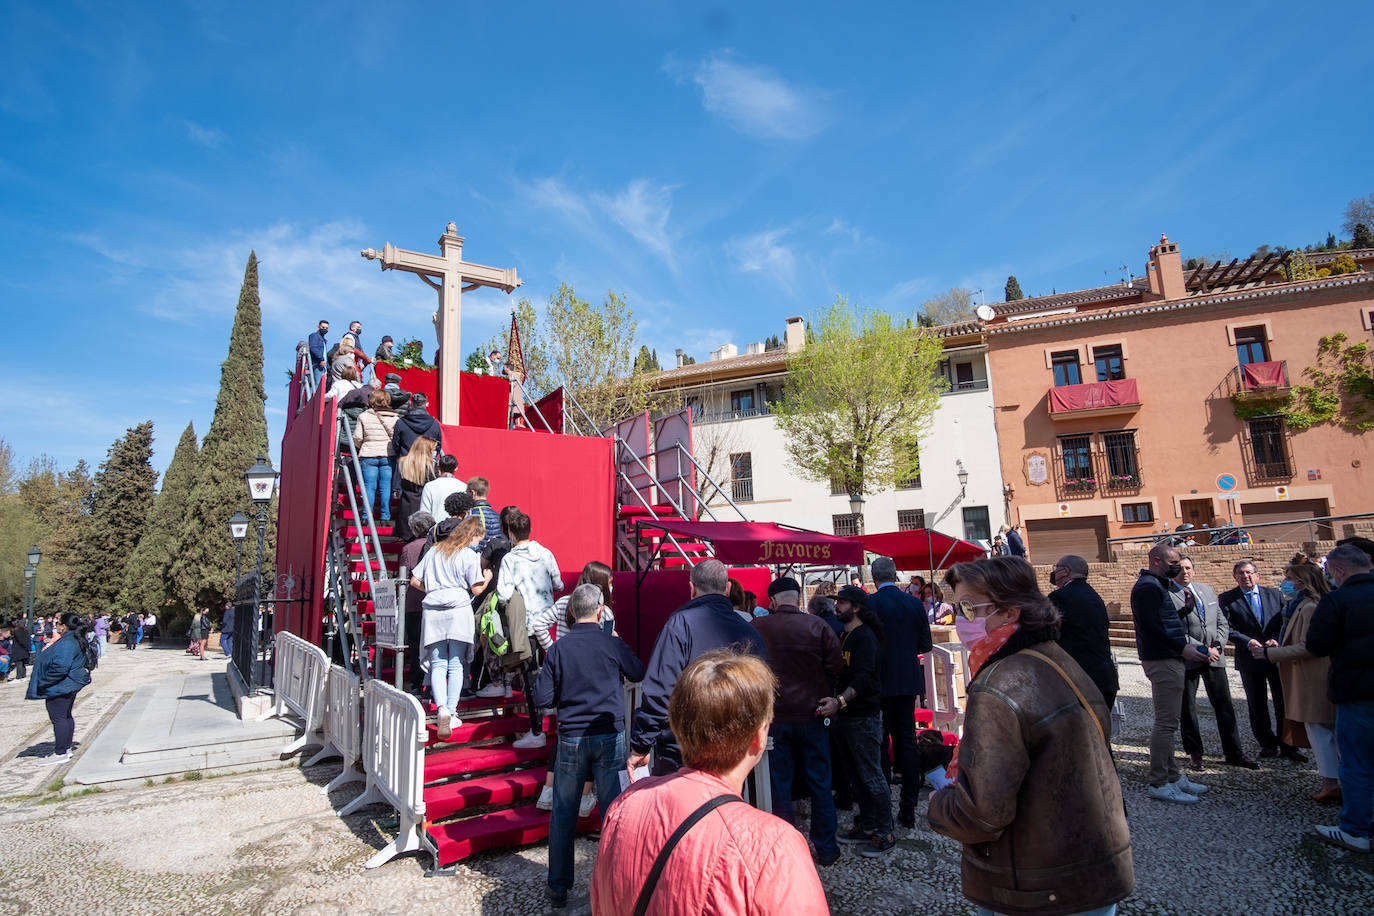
point(491, 728)
point(451, 798)
point(384, 531)
point(521, 826)
point(458, 761)
point(390, 548)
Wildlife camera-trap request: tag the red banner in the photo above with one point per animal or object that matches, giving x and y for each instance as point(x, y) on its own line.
point(1094, 395)
point(1263, 375)
point(765, 543)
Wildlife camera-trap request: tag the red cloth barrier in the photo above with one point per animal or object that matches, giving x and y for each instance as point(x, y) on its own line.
point(1092, 395)
point(1263, 375)
point(307, 484)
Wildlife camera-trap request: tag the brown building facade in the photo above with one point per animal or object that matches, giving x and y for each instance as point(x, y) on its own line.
point(1161, 401)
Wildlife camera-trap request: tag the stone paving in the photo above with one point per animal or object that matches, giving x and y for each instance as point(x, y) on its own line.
point(269, 842)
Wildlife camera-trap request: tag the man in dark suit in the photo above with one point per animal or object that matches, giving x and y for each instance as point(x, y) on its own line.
point(1206, 626)
point(906, 636)
point(1015, 546)
point(1255, 615)
point(1083, 624)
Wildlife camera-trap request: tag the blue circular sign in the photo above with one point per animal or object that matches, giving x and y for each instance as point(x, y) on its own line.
point(1226, 483)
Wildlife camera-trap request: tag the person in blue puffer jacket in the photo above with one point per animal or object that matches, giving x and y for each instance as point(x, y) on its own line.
point(59, 673)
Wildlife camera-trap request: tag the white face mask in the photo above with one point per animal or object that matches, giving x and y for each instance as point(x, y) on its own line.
point(970, 631)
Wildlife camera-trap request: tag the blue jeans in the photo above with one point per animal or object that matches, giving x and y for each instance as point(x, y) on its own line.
point(226, 642)
point(1355, 741)
point(377, 475)
point(596, 758)
point(446, 671)
point(863, 738)
point(805, 746)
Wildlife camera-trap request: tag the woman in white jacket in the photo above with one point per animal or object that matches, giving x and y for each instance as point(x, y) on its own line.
point(449, 574)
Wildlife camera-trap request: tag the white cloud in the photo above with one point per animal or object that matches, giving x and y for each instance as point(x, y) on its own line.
point(845, 228)
point(764, 252)
point(756, 100)
point(642, 210)
point(205, 136)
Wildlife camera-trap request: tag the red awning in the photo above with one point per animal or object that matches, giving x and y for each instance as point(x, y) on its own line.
point(921, 548)
point(763, 543)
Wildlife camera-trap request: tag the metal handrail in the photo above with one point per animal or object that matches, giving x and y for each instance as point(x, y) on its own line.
point(370, 529)
point(654, 515)
point(530, 404)
point(1158, 535)
point(711, 480)
point(358, 470)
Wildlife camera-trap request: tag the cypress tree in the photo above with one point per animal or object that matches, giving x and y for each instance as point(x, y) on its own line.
point(148, 574)
point(120, 502)
point(1013, 290)
point(204, 570)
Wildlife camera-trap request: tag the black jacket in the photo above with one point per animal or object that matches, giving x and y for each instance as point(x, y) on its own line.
point(1343, 628)
point(412, 425)
point(862, 671)
point(1159, 633)
point(706, 622)
point(1244, 626)
point(906, 637)
point(1083, 625)
point(581, 679)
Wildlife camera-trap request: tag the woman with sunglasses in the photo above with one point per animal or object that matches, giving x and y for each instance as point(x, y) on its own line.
point(1035, 798)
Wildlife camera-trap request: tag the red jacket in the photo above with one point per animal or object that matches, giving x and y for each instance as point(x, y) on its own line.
point(736, 860)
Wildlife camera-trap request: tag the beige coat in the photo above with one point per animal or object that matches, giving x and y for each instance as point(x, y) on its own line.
point(1303, 675)
point(372, 434)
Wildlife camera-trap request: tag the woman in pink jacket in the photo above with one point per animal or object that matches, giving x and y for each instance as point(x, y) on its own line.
point(732, 858)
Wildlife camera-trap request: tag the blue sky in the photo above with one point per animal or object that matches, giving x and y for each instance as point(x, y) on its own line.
point(722, 167)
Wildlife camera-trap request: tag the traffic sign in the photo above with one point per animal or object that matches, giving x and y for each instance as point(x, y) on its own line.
point(1226, 483)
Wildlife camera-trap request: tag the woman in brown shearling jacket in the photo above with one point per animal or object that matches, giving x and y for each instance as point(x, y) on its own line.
point(1035, 799)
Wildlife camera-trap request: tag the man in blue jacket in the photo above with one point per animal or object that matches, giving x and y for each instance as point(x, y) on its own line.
point(706, 622)
point(906, 632)
point(1343, 628)
point(317, 349)
point(1162, 643)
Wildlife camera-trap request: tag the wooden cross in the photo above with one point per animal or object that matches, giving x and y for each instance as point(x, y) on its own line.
point(451, 276)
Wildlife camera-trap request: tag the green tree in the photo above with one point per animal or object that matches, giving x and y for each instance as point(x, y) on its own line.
point(1360, 210)
point(774, 342)
point(148, 574)
point(856, 399)
point(1013, 290)
point(58, 501)
point(950, 307)
point(204, 570)
point(646, 360)
point(19, 530)
point(109, 535)
point(1343, 264)
point(1361, 236)
point(1299, 267)
point(476, 361)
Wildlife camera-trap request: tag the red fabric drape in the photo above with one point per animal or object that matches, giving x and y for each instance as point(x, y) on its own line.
point(1092, 395)
point(1263, 375)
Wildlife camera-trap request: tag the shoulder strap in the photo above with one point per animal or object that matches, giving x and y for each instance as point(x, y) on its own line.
point(646, 893)
point(1078, 693)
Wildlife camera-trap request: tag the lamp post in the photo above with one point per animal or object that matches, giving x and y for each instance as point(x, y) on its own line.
point(31, 583)
point(238, 530)
point(962, 474)
point(261, 480)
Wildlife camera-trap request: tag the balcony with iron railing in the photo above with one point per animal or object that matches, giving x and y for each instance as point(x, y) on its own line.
point(1256, 381)
point(1094, 399)
point(978, 384)
point(1105, 475)
point(742, 490)
point(723, 415)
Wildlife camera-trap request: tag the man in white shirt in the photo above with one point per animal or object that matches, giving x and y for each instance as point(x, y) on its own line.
point(441, 488)
point(530, 568)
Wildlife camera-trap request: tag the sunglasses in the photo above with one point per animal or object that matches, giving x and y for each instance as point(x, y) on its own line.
point(967, 607)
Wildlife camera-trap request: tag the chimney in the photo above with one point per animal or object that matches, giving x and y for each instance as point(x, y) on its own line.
point(1165, 270)
point(680, 356)
point(795, 335)
point(753, 349)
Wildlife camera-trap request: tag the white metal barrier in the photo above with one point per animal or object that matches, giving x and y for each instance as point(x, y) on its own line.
point(942, 691)
point(342, 726)
point(299, 671)
point(393, 753)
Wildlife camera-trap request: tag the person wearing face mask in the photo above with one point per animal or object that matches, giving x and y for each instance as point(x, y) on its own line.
point(1163, 646)
point(1342, 629)
point(1083, 624)
point(1035, 798)
point(1255, 613)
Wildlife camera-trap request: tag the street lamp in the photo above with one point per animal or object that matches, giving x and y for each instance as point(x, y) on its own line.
point(261, 479)
point(31, 584)
point(238, 530)
point(856, 508)
point(35, 555)
point(962, 474)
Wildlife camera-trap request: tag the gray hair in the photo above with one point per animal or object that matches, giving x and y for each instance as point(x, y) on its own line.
point(884, 570)
point(820, 605)
point(711, 577)
point(1076, 565)
point(788, 597)
point(585, 601)
point(1349, 557)
point(420, 523)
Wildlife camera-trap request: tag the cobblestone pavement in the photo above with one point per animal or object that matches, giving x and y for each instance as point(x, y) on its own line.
point(269, 842)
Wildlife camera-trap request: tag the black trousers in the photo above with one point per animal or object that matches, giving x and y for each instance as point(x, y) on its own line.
point(1218, 689)
point(899, 726)
point(63, 725)
point(1256, 683)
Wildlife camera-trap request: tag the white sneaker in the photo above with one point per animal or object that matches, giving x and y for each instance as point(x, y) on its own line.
point(53, 760)
point(491, 691)
point(445, 724)
point(1338, 837)
point(586, 806)
point(1192, 788)
point(1170, 792)
point(545, 802)
point(530, 739)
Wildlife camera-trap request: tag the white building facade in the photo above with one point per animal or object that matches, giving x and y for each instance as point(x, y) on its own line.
point(736, 438)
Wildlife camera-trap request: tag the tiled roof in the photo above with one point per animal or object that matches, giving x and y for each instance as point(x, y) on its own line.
point(1076, 297)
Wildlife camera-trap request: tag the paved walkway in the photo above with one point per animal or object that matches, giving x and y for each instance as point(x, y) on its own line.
point(269, 842)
